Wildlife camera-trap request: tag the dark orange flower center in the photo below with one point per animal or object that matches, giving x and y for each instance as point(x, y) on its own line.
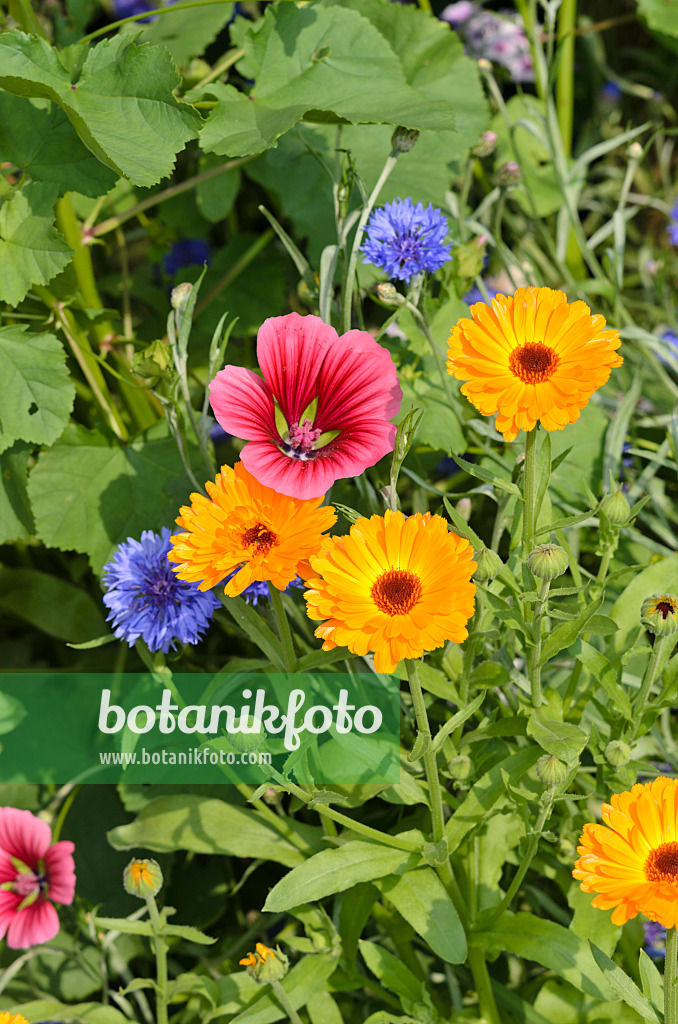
point(533, 363)
point(662, 864)
point(259, 535)
point(396, 592)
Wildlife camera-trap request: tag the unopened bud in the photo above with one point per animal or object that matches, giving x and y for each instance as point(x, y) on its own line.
point(460, 767)
point(153, 363)
point(508, 174)
point(489, 565)
point(550, 770)
point(403, 139)
point(180, 296)
point(487, 144)
point(389, 294)
point(547, 561)
point(635, 151)
point(617, 753)
point(484, 64)
point(249, 740)
point(463, 507)
point(265, 965)
point(659, 614)
point(142, 878)
point(616, 508)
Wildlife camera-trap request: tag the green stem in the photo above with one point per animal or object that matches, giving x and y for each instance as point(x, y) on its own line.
point(529, 491)
point(283, 628)
point(442, 372)
point(347, 300)
point(567, 17)
point(219, 69)
point(652, 673)
point(63, 811)
point(483, 985)
point(544, 815)
point(285, 1002)
point(534, 654)
point(112, 223)
point(671, 978)
point(160, 960)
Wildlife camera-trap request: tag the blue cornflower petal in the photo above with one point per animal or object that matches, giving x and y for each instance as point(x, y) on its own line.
point(146, 599)
point(475, 294)
point(128, 8)
point(404, 240)
point(187, 252)
point(259, 589)
point(672, 226)
point(655, 940)
point(610, 93)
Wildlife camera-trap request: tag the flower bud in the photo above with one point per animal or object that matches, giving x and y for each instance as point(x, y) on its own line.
point(616, 508)
point(463, 507)
point(489, 565)
point(659, 614)
point(247, 741)
point(153, 363)
point(550, 770)
point(547, 561)
point(617, 753)
point(264, 965)
point(635, 151)
point(389, 294)
point(460, 767)
point(142, 878)
point(180, 296)
point(508, 174)
point(487, 144)
point(403, 139)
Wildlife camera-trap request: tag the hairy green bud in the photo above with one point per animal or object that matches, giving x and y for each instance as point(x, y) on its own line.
point(617, 753)
point(616, 508)
point(142, 878)
point(659, 614)
point(489, 565)
point(550, 770)
point(547, 561)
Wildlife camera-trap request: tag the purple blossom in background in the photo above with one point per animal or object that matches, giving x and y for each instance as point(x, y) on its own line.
point(611, 93)
point(218, 434)
point(672, 226)
point(187, 252)
point(654, 940)
point(128, 8)
point(475, 294)
point(259, 589)
point(403, 239)
point(497, 37)
point(147, 600)
point(671, 340)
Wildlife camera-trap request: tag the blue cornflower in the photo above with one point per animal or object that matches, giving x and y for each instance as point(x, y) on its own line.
point(187, 252)
point(611, 93)
point(655, 940)
point(475, 294)
point(128, 8)
point(404, 239)
point(259, 589)
point(147, 600)
point(672, 226)
point(671, 340)
point(218, 434)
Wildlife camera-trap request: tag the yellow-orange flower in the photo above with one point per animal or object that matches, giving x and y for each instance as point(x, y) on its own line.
point(9, 1018)
point(247, 527)
point(532, 357)
point(632, 860)
point(262, 954)
point(394, 585)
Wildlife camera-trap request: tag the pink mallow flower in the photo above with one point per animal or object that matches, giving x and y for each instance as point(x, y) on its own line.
point(322, 410)
point(32, 873)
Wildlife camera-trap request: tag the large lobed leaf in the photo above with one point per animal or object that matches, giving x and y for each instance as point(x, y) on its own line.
point(36, 392)
point(120, 101)
point(31, 249)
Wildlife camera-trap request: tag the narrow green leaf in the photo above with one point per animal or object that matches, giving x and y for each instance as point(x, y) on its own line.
point(457, 719)
point(423, 901)
point(624, 987)
point(487, 476)
point(564, 636)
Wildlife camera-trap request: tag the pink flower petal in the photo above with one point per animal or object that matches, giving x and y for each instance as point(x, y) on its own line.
point(294, 477)
point(7, 868)
point(23, 835)
point(243, 404)
point(60, 872)
point(358, 381)
point(33, 925)
point(291, 350)
point(9, 901)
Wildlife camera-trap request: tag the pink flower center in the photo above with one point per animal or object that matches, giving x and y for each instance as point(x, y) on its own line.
point(303, 436)
point(25, 884)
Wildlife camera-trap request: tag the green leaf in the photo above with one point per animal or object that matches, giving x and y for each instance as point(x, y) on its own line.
point(588, 922)
point(606, 674)
point(216, 196)
point(121, 103)
point(184, 931)
point(457, 719)
point(439, 426)
point(487, 476)
point(38, 138)
point(333, 871)
point(36, 391)
point(256, 628)
point(12, 712)
point(565, 635)
point(539, 182)
point(187, 33)
point(124, 925)
point(652, 982)
point(204, 825)
point(549, 944)
point(391, 972)
point(326, 64)
point(624, 987)
point(16, 519)
point(50, 604)
point(89, 1013)
point(305, 979)
point(31, 249)
point(89, 495)
point(421, 898)
point(562, 739)
point(661, 17)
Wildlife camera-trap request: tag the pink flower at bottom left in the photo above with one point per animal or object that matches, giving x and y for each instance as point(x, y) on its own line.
point(34, 874)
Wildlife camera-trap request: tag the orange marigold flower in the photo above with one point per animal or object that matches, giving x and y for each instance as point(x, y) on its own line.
point(247, 527)
point(532, 357)
point(394, 585)
point(632, 860)
point(9, 1018)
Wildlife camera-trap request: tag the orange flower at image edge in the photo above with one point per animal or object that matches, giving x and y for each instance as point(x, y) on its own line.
point(247, 527)
point(532, 357)
point(9, 1018)
point(394, 585)
point(632, 860)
